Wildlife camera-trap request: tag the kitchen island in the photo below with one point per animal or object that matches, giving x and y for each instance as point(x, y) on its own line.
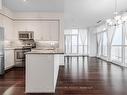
point(42, 68)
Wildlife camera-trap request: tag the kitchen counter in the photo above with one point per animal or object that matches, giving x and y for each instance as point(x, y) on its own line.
point(42, 67)
point(9, 48)
point(40, 51)
point(12, 48)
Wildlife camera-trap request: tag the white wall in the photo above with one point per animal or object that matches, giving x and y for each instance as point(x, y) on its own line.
point(7, 22)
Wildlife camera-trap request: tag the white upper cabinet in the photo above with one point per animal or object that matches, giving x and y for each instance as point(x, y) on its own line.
point(43, 30)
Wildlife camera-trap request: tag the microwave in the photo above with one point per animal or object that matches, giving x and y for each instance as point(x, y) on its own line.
point(26, 35)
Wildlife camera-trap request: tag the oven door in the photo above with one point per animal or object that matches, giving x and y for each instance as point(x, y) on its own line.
point(19, 55)
point(19, 58)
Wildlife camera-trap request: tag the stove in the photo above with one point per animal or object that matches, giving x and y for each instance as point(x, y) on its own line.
point(20, 52)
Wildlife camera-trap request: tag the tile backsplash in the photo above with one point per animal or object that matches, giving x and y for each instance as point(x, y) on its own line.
point(8, 43)
point(39, 44)
point(47, 44)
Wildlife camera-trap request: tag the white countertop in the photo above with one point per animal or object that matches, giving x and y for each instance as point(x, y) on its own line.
point(12, 48)
point(38, 50)
point(41, 51)
point(9, 48)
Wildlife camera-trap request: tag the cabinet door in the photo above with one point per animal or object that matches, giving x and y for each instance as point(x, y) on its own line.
point(9, 58)
point(54, 31)
point(49, 30)
point(43, 30)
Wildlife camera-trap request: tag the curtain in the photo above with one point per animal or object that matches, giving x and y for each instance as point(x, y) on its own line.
point(125, 30)
point(111, 32)
point(83, 35)
point(99, 39)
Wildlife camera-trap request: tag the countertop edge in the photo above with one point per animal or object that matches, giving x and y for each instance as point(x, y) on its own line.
point(43, 53)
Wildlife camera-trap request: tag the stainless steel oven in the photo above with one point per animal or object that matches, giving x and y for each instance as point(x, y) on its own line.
point(20, 56)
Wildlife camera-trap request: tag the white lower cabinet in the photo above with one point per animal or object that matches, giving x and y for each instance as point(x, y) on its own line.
point(9, 58)
point(42, 72)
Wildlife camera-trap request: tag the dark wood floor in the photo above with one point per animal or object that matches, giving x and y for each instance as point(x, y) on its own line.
point(80, 76)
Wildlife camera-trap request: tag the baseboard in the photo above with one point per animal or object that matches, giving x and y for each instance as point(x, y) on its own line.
point(108, 61)
point(92, 56)
point(9, 69)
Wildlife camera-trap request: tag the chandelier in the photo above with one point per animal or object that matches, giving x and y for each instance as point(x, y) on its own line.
point(118, 18)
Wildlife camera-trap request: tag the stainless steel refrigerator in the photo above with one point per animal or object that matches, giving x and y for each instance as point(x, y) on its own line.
point(1, 51)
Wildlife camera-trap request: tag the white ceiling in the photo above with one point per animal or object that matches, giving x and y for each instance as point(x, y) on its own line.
point(35, 5)
point(79, 13)
point(85, 13)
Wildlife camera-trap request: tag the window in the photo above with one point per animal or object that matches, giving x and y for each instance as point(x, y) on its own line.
point(104, 44)
point(116, 49)
point(74, 44)
point(125, 44)
point(112, 44)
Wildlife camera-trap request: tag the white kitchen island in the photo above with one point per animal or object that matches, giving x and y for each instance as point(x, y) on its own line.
point(42, 71)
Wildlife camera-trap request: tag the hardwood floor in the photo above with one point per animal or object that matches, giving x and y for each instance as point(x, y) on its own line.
point(80, 76)
point(12, 83)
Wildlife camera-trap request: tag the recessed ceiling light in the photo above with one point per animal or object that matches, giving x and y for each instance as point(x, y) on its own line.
point(24, 0)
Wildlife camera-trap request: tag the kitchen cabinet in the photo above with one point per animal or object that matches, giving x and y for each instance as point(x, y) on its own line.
point(9, 58)
point(43, 30)
point(42, 69)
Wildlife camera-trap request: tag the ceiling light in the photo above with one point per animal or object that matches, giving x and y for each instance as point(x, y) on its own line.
point(24, 0)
